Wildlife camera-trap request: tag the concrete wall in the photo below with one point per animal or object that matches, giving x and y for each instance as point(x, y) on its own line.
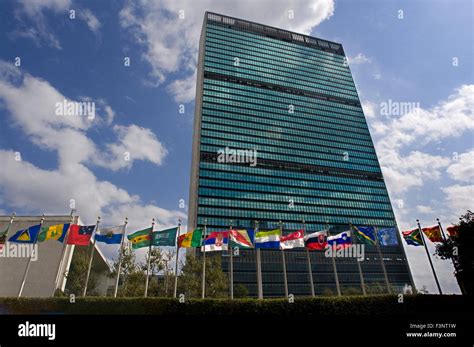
point(42, 274)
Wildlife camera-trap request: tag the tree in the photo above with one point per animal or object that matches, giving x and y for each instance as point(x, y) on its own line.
point(241, 291)
point(190, 280)
point(131, 274)
point(460, 249)
point(156, 266)
point(168, 271)
point(76, 276)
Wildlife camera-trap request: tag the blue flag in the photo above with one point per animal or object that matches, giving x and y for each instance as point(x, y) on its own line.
point(111, 235)
point(28, 235)
point(387, 237)
point(365, 235)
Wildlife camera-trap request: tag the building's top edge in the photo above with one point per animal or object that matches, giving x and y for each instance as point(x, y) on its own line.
point(38, 216)
point(286, 35)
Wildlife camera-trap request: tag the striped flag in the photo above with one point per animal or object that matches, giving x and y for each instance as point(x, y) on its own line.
point(190, 239)
point(293, 240)
point(241, 238)
point(268, 239)
point(340, 240)
point(317, 241)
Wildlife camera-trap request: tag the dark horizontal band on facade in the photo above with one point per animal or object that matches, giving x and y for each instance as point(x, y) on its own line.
point(210, 86)
point(298, 167)
point(211, 120)
point(359, 184)
point(388, 222)
point(287, 210)
point(275, 33)
point(279, 88)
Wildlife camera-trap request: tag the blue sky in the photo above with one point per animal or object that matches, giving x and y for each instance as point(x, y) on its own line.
point(426, 155)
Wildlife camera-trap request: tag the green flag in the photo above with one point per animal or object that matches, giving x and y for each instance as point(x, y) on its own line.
point(140, 238)
point(165, 237)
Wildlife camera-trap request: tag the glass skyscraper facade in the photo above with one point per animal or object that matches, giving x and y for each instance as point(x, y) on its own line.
point(292, 99)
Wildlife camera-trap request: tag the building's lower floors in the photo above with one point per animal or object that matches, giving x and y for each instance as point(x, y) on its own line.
point(327, 275)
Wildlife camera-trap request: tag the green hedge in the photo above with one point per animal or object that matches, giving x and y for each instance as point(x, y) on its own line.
point(322, 306)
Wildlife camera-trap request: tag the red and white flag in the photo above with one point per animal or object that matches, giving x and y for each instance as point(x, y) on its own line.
point(293, 240)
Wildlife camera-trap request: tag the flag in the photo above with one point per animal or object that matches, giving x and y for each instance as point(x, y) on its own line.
point(53, 232)
point(453, 230)
point(433, 233)
point(190, 239)
point(317, 240)
point(3, 236)
point(342, 239)
point(268, 239)
point(387, 237)
point(365, 235)
point(140, 238)
point(110, 235)
point(216, 241)
point(80, 235)
point(165, 237)
point(293, 240)
point(413, 237)
point(28, 235)
point(241, 238)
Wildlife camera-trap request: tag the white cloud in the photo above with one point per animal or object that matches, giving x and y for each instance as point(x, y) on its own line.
point(184, 90)
point(424, 209)
point(359, 59)
point(134, 143)
point(449, 118)
point(37, 27)
point(34, 8)
point(414, 170)
point(377, 76)
point(92, 22)
point(369, 109)
point(171, 44)
point(459, 198)
point(30, 103)
point(463, 168)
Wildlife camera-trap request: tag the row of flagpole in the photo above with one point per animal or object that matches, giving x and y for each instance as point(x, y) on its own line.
point(59, 277)
point(285, 277)
point(443, 235)
point(310, 272)
point(231, 270)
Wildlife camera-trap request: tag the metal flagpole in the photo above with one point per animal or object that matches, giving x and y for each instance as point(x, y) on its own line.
point(379, 251)
point(285, 279)
point(119, 268)
point(359, 268)
point(203, 290)
point(429, 258)
point(29, 260)
point(175, 292)
point(334, 268)
point(231, 270)
point(259, 267)
point(444, 238)
point(63, 252)
point(441, 229)
point(310, 269)
point(9, 226)
point(149, 257)
point(90, 259)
